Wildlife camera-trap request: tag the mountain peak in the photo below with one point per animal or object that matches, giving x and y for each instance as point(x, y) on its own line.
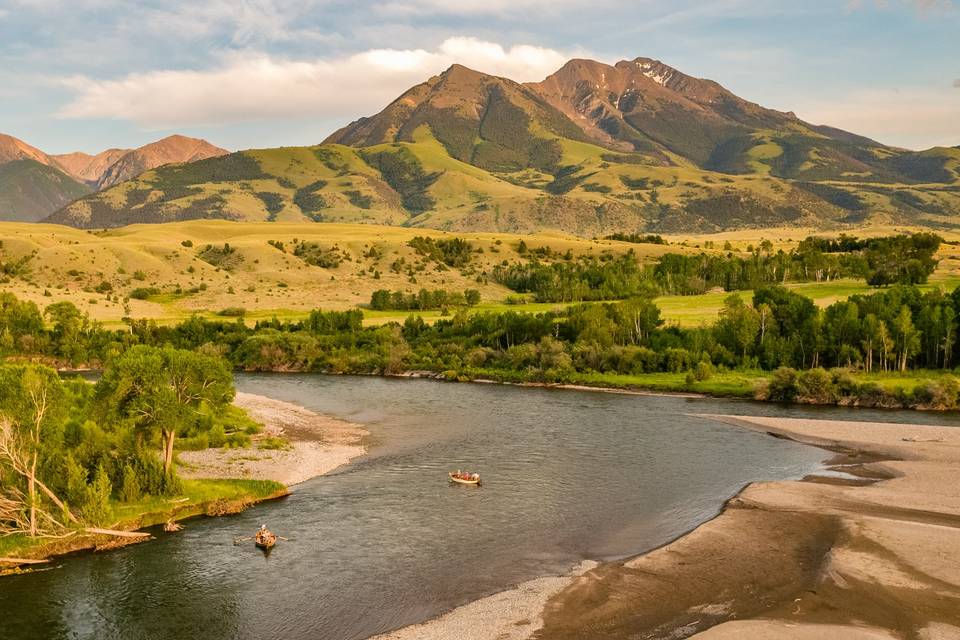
point(15, 149)
point(172, 149)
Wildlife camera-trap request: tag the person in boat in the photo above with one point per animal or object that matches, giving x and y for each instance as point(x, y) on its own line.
point(263, 534)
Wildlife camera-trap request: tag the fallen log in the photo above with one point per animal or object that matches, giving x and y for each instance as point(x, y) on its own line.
point(21, 561)
point(121, 534)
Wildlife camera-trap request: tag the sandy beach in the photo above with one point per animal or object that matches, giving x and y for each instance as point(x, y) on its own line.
point(875, 556)
point(317, 445)
point(871, 555)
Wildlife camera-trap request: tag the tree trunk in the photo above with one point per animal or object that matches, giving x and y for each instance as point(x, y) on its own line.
point(169, 437)
point(32, 491)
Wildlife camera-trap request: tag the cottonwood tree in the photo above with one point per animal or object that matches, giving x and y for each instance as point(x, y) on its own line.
point(162, 392)
point(906, 337)
point(33, 407)
point(640, 317)
point(738, 326)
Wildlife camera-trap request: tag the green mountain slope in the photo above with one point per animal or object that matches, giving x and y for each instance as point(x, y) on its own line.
point(593, 149)
point(30, 191)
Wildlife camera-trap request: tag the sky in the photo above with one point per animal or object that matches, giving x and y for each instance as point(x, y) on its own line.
point(86, 75)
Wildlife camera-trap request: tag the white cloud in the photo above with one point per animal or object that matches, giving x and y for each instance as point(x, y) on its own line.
point(915, 118)
point(249, 87)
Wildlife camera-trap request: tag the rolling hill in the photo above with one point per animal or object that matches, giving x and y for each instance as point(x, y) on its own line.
point(592, 149)
point(30, 189)
point(34, 184)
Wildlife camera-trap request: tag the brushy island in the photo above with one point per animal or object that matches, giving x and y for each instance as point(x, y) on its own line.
point(76, 458)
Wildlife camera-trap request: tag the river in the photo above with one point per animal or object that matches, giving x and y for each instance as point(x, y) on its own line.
point(387, 541)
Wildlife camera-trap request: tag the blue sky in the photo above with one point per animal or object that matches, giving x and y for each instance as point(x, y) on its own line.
point(91, 74)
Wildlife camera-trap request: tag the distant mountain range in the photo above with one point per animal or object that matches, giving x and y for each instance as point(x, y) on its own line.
point(594, 148)
point(34, 184)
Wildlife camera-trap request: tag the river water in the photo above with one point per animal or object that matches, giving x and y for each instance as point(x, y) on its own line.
point(387, 541)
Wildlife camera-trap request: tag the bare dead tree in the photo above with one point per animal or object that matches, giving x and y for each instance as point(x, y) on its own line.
point(23, 512)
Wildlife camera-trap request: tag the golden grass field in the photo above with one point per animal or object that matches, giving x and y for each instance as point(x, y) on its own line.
point(69, 264)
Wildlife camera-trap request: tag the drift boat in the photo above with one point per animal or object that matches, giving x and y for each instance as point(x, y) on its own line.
point(265, 539)
point(464, 478)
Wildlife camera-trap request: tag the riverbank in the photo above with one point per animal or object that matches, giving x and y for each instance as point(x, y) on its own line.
point(921, 390)
point(300, 445)
point(514, 614)
point(222, 481)
point(200, 498)
point(866, 553)
point(867, 556)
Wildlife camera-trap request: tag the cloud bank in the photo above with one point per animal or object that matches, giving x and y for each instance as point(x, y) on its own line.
point(246, 87)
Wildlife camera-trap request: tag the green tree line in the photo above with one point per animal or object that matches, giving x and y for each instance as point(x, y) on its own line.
point(880, 261)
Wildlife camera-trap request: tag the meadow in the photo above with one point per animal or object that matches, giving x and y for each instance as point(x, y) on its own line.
point(98, 271)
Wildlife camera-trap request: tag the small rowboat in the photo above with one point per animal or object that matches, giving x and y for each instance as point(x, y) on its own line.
point(455, 478)
point(265, 541)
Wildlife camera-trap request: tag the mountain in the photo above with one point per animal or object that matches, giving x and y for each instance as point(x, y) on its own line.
point(34, 184)
point(86, 167)
point(12, 149)
point(492, 123)
point(31, 190)
point(170, 150)
point(592, 149)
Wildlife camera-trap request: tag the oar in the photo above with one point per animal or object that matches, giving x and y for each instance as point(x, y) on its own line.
point(239, 540)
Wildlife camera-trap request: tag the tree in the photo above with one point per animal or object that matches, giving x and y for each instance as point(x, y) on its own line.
point(906, 337)
point(162, 391)
point(640, 317)
point(20, 323)
point(32, 411)
point(592, 324)
point(885, 341)
point(69, 327)
point(738, 326)
point(871, 330)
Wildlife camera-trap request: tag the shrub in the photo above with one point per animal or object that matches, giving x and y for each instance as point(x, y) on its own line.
point(871, 394)
point(96, 506)
point(703, 371)
point(232, 312)
point(816, 386)
point(76, 481)
point(224, 257)
point(142, 293)
point(782, 386)
point(130, 487)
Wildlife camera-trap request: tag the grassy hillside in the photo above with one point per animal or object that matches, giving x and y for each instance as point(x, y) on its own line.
point(174, 259)
point(30, 191)
point(594, 192)
point(272, 269)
